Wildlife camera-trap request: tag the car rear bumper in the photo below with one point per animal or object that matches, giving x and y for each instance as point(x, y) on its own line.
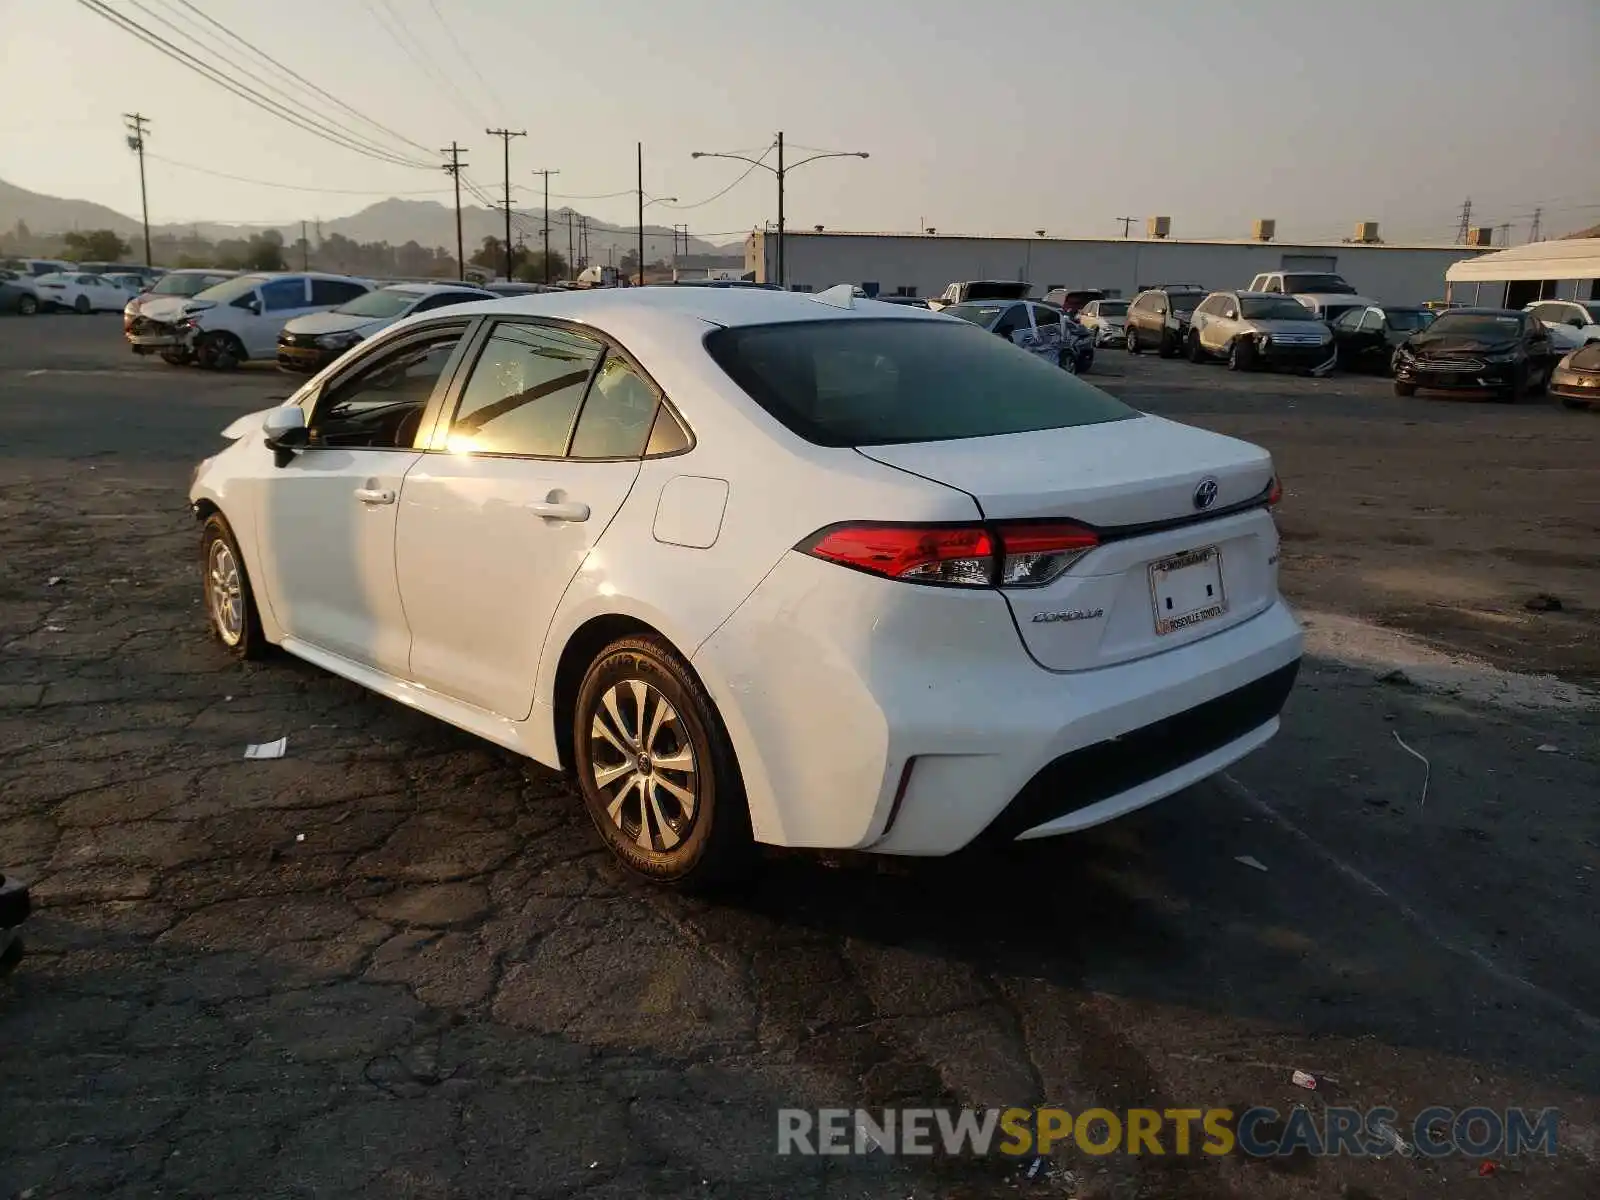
point(882, 716)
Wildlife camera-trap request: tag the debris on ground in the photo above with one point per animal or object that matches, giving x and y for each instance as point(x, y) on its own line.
point(1250, 861)
point(1397, 678)
point(52, 581)
point(1487, 1167)
point(267, 749)
point(1543, 602)
point(1549, 748)
point(1304, 1079)
point(1427, 767)
point(1386, 1134)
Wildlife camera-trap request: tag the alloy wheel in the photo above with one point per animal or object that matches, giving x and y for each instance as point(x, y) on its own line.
point(225, 593)
point(642, 762)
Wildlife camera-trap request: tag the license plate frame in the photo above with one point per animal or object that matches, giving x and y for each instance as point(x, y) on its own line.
point(1187, 590)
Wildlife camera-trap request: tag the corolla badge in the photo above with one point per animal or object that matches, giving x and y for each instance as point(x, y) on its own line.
point(1071, 614)
point(1205, 493)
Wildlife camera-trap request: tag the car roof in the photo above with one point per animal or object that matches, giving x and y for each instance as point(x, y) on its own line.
point(648, 307)
point(1488, 312)
point(429, 289)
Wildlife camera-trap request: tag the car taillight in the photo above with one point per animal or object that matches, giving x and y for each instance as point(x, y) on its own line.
point(1275, 492)
point(1017, 554)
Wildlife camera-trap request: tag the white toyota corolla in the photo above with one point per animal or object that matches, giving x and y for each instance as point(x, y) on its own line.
point(764, 567)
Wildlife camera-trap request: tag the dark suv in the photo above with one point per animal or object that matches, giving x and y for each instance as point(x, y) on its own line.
point(1158, 319)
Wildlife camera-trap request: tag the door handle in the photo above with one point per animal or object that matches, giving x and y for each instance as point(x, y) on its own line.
point(374, 495)
point(553, 509)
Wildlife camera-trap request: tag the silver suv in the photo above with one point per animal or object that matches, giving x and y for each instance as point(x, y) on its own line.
point(1259, 329)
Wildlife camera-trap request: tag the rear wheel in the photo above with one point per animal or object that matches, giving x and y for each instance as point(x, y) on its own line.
point(657, 770)
point(1404, 389)
point(229, 604)
point(81, 306)
point(175, 358)
point(1132, 340)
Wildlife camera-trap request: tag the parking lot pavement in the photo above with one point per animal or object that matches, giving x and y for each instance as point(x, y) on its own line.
point(396, 962)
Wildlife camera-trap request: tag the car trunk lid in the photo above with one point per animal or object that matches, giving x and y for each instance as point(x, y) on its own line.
point(1187, 549)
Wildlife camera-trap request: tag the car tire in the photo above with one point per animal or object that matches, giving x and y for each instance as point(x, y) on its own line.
point(218, 351)
point(1067, 361)
point(1571, 402)
point(27, 305)
point(175, 358)
point(229, 602)
point(1404, 389)
point(1241, 355)
point(1086, 362)
point(1520, 387)
point(1167, 347)
point(82, 307)
point(694, 831)
point(1131, 341)
point(1195, 351)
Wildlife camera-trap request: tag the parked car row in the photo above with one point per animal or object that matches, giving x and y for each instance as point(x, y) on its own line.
point(1036, 327)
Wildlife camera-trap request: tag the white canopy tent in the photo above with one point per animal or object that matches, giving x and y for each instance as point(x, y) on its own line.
point(1571, 260)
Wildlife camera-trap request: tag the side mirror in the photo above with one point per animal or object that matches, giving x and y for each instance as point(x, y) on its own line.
point(284, 431)
point(1230, 314)
point(254, 306)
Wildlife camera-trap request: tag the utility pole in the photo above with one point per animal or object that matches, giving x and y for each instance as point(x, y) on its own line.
point(640, 147)
point(1505, 233)
point(583, 241)
point(137, 126)
point(1533, 230)
point(1127, 223)
point(305, 249)
point(547, 175)
point(572, 270)
point(505, 136)
point(453, 169)
point(1466, 222)
point(783, 281)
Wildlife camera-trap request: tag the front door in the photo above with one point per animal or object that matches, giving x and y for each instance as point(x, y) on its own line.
point(541, 451)
point(326, 519)
point(282, 300)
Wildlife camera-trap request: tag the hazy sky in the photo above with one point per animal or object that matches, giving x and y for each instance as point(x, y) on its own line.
point(980, 118)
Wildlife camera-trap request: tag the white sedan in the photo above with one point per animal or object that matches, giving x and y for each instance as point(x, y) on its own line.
point(762, 567)
point(81, 292)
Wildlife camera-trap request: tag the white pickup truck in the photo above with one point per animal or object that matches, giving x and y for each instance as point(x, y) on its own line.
point(971, 290)
point(1323, 292)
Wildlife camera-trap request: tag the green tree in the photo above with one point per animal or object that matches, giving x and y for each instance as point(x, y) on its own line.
point(98, 245)
point(532, 271)
point(265, 252)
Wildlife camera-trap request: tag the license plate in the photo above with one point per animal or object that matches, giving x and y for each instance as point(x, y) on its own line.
point(1187, 589)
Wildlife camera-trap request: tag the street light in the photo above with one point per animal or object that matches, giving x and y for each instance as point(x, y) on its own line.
point(780, 171)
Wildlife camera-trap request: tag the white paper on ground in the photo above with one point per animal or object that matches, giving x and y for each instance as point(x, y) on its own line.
point(267, 749)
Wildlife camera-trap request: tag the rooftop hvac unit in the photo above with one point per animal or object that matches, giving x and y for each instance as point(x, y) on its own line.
point(1157, 227)
point(1266, 229)
point(1483, 235)
point(1366, 231)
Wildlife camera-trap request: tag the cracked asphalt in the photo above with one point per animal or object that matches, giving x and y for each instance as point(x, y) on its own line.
point(396, 963)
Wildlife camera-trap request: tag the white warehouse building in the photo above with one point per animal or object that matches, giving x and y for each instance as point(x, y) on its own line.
point(913, 264)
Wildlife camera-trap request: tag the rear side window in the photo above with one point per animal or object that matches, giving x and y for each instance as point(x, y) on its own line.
point(524, 392)
point(617, 414)
point(881, 382)
point(335, 291)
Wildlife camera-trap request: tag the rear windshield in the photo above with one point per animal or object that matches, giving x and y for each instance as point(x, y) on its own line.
point(995, 291)
point(883, 382)
point(1314, 283)
point(1113, 308)
point(978, 314)
point(1185, 301)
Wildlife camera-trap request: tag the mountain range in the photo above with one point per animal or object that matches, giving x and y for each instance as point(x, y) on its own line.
point(395, 221)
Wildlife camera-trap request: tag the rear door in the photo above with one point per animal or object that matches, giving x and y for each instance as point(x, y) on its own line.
point(531, 461)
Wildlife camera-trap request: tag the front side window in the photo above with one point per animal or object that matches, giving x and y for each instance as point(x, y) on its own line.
point(866, 382)
point(617, 413)
point(524, 392)
point(1348, 322)
point(1371, 320)
point(380, 406)
point(277, 295)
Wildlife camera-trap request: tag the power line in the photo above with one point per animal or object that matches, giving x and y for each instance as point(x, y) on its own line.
point(418, 56)
point(292, 187)
point(248, 94)
point(295, 75)
point(719, 195)
point(494, 97)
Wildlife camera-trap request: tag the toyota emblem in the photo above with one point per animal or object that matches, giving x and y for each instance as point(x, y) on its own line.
point(1205, 493)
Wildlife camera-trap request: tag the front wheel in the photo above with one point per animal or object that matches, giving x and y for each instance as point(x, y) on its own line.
point(1404, 389)
point(230, 606)
point(218, 352)
point(1241, 355)
point(27, 305)
point(1067, 361)
point(175, 358)
point(657, 770)
point(1195, 351)
point(1167, 347)
point(1131, 342)
point(1521, 385)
